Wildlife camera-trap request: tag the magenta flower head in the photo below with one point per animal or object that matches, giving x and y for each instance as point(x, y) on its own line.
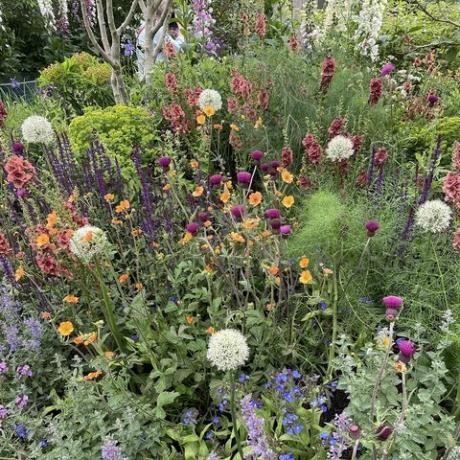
point(257, 155)
point(265, 167)
point(244, 177)
point(384, 432)
point(164, 162)
point(192, 228)
point(387, 69)
point(275, 224)
point(285, 229)
point(355, 431)
point(272, 213)
point(216, 179)
point(203, 216)
point(432, 99)
point(238, 211)
point(274, 167)
point(393, 301)
point(18, 148)
point(407, 349)
point(372, 226)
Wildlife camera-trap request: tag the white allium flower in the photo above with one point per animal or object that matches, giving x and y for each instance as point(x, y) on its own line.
point(37, 130)
point(210, 98)
point(339, 148)
point(88, 242)
point(433, 216)
point(228, 350)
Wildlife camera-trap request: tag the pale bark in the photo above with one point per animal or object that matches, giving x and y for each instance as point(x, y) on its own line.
point(150, 10)
point(110, 46)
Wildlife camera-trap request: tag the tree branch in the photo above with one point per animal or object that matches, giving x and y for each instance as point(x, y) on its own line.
point(102, 25)
point(423, 9)
point(91, 35)
point(110, 18)
point(162, 22)
point(128, 18)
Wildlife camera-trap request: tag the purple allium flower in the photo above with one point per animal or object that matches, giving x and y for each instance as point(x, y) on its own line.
point(3, 412)
point(275, 224)
point(216, 179)
point(384, 432)
point(257, 155)
point(285, 229)
point(393, 301)
point(110, 451)
point(3, 367)
point(257, 438)
point(164, 162)
point(272, 213)
point(24, 370)
point(18, 148)
point(432, 99)
point(407, 349)
point(21, 431)
point(387, 69)
point(22, 400)
point(203, 216)
point(238, 211)
point(372, 226)
point(192, 228)
point(244, 177)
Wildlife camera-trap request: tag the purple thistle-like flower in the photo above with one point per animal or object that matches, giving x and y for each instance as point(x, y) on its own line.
point(111, 451)
point(285, 230)
point(387, 69)
point(257, 438)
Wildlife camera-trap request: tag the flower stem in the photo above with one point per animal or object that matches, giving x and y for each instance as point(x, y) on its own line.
point(233, 409)
point(334, 326)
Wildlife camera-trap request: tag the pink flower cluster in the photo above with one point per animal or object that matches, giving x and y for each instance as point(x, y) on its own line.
point(313, 150)
point(376, 90)
point(328, 70)
point(176, 116)
point(19, 171)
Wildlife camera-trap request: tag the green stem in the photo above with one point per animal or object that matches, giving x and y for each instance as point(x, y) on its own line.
point(441, 277)
point(107, 308)
point(334, 326)
point(233, 409)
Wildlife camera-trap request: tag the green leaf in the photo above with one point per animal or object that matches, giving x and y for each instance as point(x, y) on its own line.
point(165, 398)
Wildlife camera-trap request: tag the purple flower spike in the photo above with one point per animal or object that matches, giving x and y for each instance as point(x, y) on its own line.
point(285, 229)
point(387, 69)
point(192, 228)
point(164, 162)
point(257, 155)
point(244, 177)
point(216, 179)
point(372, 226)
point(393, 301)
point(272, 213)
point(238, 211)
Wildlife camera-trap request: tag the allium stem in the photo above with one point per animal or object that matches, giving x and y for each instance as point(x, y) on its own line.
point(334, 325)
point(233, 410)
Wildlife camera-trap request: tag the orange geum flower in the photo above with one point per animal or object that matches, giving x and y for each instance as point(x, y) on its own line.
point(303, 262)
point(211, 330)
point(258, 123)
point(194, 164)
point(19, 273)
point(305, 277)
point(237, 237)
point(288, 201)
point(186, 238)
point(189, 319)
point(109, 354)
point(109, 197)
point(209, 111)
point(90, 338)
point(70, 298)
point(166, 187)
point(45, 315)
point(122, 206)
point(234, 127)
point(92, 375)
point(287, 176)
point(42, 240)
point(123, 278)
point(65, 328)
point(116, 221)
point(400, 367)
point(139, 286)
point(266, 234)
point(209, 268)
point(225, 195)
point(52, 219)
point(78, 340)
point(198, 191)
point(251, 223)
point(273, 270)
point(255, 198)
point(201, 119)
point(137, 232)
point(218, 126)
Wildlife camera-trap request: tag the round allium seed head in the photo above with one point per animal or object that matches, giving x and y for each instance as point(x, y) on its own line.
point(88, 242)
point(433, 216)
point(228, 350)
point(257, 155)
point(339, 148)
point(210, 98)
point(164, 162)
point(37, 130)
